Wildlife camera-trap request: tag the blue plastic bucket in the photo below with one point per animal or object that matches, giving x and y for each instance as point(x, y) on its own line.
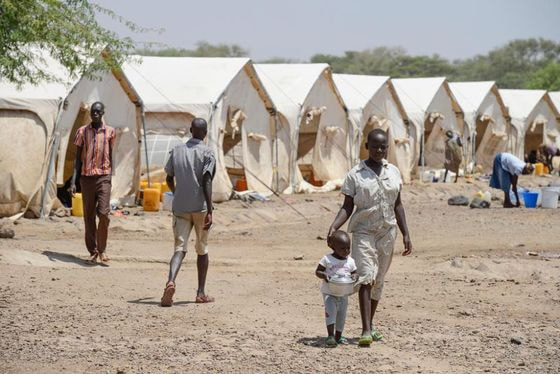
point(530, 199)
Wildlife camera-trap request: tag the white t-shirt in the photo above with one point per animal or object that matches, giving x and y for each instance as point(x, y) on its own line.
point(334, 266)
point(512, 164)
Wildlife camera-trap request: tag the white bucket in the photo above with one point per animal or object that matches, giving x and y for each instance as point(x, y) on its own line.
point(550, 198)
point(168, 201)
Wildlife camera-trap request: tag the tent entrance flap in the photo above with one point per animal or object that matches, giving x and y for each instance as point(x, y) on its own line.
point(534, 137)
point(307, 139)
point(482, 125)
point(70, 156)
point(233, 148)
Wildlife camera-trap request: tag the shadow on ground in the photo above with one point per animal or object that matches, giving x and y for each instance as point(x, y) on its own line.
point(65, 257)
point(152, 301)
point(319, 341)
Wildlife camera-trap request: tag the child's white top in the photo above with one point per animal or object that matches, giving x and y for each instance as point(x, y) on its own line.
point(333, 265)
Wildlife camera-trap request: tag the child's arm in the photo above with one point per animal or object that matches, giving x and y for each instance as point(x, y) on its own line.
point(320, 273)
point(354, 275)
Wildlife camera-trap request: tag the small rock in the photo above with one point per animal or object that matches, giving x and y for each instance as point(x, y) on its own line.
point(456, 262)
point(298, 257)
point(532, 253)
point(319, 237)
point(7, 233)
point(515, 341)
point(521, 363)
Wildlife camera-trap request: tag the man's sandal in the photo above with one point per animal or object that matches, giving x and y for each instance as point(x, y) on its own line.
point(204, 299)
point(92, 259)
point(104, 260)
point(167, 298)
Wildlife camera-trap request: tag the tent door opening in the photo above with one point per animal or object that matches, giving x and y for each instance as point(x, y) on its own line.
point(307, 138)
point(233, 149)
point(69, 159)
point(534, 137)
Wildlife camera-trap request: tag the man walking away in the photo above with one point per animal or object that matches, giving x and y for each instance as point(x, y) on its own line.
point(190, 171)
point(94, 154)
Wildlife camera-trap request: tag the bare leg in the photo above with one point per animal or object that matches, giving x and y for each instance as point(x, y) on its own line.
point(364, 295)
point(175, 265)
point(374, 304)
point(507, 201)
point(330, 329)
point(202, 267)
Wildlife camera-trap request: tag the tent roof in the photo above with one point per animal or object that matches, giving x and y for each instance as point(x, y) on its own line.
point(174, 84)
point(45, 91)
point(290, 82)
point(358, 90)
point(555, 98)
point(416, 94)
point(521, 102)
point(470, 95)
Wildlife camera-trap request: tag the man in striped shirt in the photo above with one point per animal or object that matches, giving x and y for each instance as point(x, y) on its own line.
point(94, 152)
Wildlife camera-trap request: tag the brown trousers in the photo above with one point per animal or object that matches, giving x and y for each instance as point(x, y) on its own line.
point(96, 194)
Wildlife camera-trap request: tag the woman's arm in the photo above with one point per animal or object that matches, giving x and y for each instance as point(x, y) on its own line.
point(401, 221)
point(343, 214)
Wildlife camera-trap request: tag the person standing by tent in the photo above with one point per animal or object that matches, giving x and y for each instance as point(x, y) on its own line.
point(94, 160)
point(373, 187)
point(190, 171)
point(453, 154)
point(505, 173)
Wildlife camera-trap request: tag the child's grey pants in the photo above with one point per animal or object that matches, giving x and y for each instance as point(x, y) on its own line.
point(335, 310)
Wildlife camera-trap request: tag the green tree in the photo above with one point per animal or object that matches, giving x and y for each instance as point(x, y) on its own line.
point(546, 78)
point(512, 65)
point(65, 29)
point(203, 49)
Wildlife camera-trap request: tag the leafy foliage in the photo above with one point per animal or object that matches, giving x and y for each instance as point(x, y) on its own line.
point(65, 29)
point(203, 49)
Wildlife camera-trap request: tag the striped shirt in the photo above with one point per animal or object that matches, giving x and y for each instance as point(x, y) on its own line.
point(97, 147)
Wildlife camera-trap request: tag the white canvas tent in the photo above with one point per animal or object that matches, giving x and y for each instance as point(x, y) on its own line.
point(224, 91)
point(433, 109)
point(555, 98)
point(534, 119)
point(312, 126)
point(27, 120)
point(486, 121)
point(373, 103)
point(122, 112)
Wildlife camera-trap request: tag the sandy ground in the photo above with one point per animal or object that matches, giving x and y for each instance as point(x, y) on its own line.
point(454, 306)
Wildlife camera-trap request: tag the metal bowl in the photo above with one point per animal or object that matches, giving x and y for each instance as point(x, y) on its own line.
point(341, 286)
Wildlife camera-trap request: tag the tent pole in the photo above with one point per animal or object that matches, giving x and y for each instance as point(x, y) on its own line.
point(52, 156)
point(276, 152)
point(143, 113)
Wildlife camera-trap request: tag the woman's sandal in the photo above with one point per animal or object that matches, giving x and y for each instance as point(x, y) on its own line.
point(167, 298)
point(365, 340)
point(376, 335)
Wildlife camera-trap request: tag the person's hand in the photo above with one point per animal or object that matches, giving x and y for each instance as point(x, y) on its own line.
point(407, 245)
point(208, 221)
point(329, 235)
point(72, 189)
point(326, 278)
point(355, 277)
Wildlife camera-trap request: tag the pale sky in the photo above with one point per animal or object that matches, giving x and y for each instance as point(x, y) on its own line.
point(297, 29)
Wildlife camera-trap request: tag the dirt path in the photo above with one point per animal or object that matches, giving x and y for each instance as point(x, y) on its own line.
point(454, 306)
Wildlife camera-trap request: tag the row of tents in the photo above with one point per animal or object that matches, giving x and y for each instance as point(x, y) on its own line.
point(286, 128)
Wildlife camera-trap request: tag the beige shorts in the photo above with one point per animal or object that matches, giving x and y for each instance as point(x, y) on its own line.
point(373, 255)
point(182, 226)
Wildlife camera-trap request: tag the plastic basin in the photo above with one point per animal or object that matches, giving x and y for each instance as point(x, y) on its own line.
point(530, 199)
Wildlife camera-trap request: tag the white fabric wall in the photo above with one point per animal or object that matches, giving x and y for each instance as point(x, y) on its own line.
point(257, 152)
point(495, 135)
point(435, 143)
point(331, 154)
